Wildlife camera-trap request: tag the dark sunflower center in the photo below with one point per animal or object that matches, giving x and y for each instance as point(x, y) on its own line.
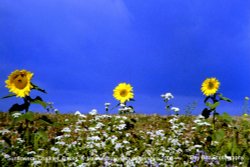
point(123, 93)
point(210, 85)
point(20, 81)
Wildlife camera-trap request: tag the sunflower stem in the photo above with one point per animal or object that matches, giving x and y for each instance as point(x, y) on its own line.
point(26, 103)
point(214, 113)
point(214, 119)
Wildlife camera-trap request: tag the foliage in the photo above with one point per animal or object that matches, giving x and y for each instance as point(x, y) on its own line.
point(130, 140)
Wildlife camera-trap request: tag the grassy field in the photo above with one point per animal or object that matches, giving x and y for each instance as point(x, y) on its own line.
point(34, 139)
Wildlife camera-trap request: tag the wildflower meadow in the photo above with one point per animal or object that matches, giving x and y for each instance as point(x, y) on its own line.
point(124, 139)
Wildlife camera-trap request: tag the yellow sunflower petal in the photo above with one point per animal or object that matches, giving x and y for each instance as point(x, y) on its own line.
point(123, 92)
point(19, 82)
point(210, 86)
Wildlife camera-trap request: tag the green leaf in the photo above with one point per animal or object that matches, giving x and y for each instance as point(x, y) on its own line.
point(37, 88)
point(9, 95)
point(208, 104)
point(57, 124)
point(212, 106)
point(17, 107)
point(206, 113)
point(40, 136)
point(39, 100)
point(225, 117)
point(46, 119)
point(224, 98)
point(219, 135)
point(27, 116)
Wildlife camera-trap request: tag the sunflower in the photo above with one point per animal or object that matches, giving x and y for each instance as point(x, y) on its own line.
point(210, 86)
point(123, 92)
point(19, 83)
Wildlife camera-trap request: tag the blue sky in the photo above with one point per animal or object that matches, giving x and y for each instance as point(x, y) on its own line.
point(79, 50)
